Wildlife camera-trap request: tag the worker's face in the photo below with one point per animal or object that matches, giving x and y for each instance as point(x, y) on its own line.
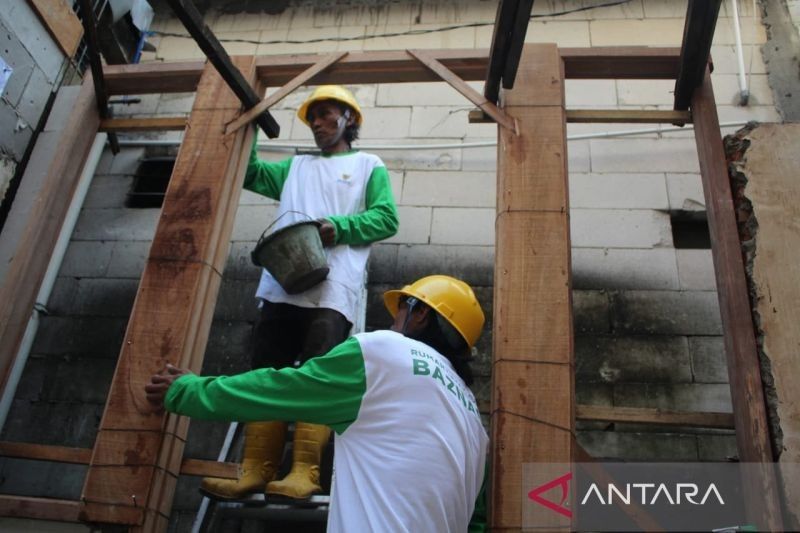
point(327, 123)
point(417, 321)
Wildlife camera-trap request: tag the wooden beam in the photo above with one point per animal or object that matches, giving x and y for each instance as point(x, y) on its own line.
point(138, 452)
point(498, 115)
point(43, 452)
point(637, 415)
point(698, 32)
point(92, 49)
point(284, 91)
point(143, 124)
point(744, 374)
point(197, 467)
point(607, 116)
point(532, 416)
point(193, 22)
point(61, 22)
point(39, 508)
point(38, 238)
point(396, 67)
point(83, 456)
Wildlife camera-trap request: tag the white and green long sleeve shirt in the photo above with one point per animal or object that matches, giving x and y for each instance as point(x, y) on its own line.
point(351, 190)
point(410, 446)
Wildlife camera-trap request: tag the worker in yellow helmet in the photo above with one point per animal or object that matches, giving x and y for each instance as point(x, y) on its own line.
point(349, 193)
point(410, 446)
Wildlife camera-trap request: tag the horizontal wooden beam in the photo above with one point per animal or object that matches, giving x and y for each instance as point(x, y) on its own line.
point(198, 467)
point(82, 456)
point(396, 67)
point(637, 415)
point(143, 124)
point(44, 452)
point(608, 116)
point(39, 508)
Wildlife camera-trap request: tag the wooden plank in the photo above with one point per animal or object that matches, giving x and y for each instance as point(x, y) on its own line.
point(629, 116)
point(143, 124)
point(93, 51)
point(284, 91)
point(197, 467)
point(396, 67)
point(44, 452)
point(61, 22)
point(192, 20)
point(39, 508)
point(744, 374)
point(172, 312)
point(461, 86)
point(25, 273)
point(698, 32)
point(768, 171)
point(637, 415)
point(532, 415)
point(607, 116)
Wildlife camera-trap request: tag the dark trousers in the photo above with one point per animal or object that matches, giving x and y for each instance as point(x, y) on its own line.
point(286, 333)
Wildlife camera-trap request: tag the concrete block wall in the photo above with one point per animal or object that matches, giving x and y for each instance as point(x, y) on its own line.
point(646, 316)
point(37, 62)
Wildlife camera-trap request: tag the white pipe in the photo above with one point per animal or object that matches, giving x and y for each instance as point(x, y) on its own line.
point(744, 93)
point(477, 144)
point(50, 275)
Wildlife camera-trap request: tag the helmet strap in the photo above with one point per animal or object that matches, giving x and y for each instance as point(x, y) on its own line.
point(410, 303)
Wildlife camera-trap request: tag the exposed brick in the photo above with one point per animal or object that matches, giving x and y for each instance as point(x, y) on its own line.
point(594, 394)
point(458, 38)
point(41, 479)
point(593, 93)
point(639, 446)
point(424, 93)
point(34, 97)
point(128, 259)
point(449, 188)
point(236, 300)
point(619, 228)
point(666, 313)
point(415, 225)
point(610, 268)
point(116, 224)
point(646, 92)
point(469, 227)
point(644, 155)
point(229, 347)
point(240, 265)
point(447, 122)
point(382, 265)
point(696, 270)
point(632, 359)
point(251, 221)
point(108, 191)
point(708, 359)
point(473, 264)
point(620, 191)
point(83, 336)
point(685, 192)
point(674, 397)
point(591, 312)
point(61, 424)
point(717, 447)
point(86, 259)
point(652, 32)
point(104, 297)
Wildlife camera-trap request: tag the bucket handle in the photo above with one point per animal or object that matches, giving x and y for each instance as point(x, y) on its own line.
point(281, 216)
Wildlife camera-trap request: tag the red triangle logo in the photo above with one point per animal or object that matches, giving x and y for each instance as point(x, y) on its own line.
point(563, 482)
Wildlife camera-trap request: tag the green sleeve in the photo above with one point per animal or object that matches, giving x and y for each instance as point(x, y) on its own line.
point(266, 177)
point(379, 220)
point(477, 523)
point(325, 390)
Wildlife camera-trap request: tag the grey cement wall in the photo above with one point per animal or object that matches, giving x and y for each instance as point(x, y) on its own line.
point(37, 65)
point(647, 327)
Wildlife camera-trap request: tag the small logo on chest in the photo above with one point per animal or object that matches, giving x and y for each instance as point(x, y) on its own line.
point(346, 177)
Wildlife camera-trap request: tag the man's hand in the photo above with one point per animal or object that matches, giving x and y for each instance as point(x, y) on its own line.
point(327, 232)
point(159, 384)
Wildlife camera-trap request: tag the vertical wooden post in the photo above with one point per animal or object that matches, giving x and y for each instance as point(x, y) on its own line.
point(136, 458)
point(744, 373)
point(533, 373)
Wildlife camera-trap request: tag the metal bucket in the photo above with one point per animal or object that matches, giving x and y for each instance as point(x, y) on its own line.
point(294, 256)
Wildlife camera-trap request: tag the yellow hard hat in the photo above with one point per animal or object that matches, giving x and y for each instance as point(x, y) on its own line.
point(453, 299)
point(330, 92)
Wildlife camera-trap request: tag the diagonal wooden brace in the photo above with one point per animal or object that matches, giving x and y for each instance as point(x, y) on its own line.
point(499, 116)
point(284, 91)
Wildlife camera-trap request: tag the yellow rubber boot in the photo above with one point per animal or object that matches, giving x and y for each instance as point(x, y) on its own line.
point(261, 460)
point(303, 480)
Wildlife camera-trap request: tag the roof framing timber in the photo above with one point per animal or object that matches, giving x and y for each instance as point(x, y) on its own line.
point(627, 62)
point(698, 32)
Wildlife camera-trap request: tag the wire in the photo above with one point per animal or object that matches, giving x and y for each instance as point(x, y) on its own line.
point(394, 34)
